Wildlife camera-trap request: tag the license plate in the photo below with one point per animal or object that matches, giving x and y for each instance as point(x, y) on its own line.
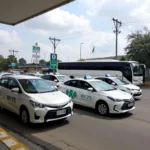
point(61, 112)
point(130, 105)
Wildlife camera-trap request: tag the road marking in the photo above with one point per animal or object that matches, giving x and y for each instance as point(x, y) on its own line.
point(3, 134)
point(10, 142)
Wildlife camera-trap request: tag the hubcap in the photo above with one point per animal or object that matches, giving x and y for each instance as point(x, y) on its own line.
point(24, 116)
point(102, 108)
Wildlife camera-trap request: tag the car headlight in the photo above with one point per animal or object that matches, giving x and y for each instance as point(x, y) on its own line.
point(129, 89)
point(37, 105)
point(115, 99)
point(70, 100)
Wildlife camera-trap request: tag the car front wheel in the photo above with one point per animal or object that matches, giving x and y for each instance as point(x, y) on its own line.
point(24, 114)
point(102, 108)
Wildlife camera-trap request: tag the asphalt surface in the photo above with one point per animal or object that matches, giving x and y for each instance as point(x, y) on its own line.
point(86, 130)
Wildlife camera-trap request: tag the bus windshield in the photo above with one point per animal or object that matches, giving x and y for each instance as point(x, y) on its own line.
point(137, 69)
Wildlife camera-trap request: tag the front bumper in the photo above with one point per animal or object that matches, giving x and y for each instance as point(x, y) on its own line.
point(47, 114)
point(122, 107)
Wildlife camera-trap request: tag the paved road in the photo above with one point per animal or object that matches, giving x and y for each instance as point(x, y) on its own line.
point(87, 130)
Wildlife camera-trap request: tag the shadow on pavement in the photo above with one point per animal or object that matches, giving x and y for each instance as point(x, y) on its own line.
point(12, 122)
point(80, 110)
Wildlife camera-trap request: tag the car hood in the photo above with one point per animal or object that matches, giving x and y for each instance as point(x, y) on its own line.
point(131, 86)
point(51, 98)
point(118, 94)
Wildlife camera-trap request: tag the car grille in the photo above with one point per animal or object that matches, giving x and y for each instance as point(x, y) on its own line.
point(137, 94)
point(59, 106)
point(126, 107)
point(52, 114)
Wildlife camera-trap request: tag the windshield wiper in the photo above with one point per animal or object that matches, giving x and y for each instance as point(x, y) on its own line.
point(110, 89)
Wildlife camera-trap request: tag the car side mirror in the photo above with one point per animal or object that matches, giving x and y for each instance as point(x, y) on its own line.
point(55, 80)
point(15, 90)
point(90, 89)
point(113, 83)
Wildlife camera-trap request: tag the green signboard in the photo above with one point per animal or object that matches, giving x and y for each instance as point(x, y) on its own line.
point(53, 61)
point(36, 49)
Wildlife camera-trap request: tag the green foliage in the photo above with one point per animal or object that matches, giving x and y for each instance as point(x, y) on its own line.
point(139, 46)
point(6, 62)
point(81, 59)
point(42, 62)
point(22, 62)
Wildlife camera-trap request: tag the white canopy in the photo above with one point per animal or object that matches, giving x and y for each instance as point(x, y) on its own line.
point(13, 12)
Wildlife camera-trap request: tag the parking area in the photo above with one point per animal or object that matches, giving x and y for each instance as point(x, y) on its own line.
point(86, 130)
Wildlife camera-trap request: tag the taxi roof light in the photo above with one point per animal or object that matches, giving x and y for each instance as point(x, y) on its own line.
point(87, 77)
point(107, 75)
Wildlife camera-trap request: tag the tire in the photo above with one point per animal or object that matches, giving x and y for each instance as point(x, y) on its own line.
point(102, 108)
point(24, 115)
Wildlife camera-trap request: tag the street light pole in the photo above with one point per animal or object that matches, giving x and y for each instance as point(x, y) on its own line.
point(80, 49)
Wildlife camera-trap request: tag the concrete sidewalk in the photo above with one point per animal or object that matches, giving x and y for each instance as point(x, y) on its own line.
point(12, 141)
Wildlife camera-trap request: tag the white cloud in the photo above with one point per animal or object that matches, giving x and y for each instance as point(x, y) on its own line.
point(9, 40)
point(58, 20)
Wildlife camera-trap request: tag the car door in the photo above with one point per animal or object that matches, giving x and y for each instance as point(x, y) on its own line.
point(71, 89)
point(13, 98)
point(86, 97)
point(3, 92)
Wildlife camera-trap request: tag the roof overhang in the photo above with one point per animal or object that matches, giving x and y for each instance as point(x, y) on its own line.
point(13, 12)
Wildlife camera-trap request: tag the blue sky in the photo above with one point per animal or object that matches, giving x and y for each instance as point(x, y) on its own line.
point(87, 21)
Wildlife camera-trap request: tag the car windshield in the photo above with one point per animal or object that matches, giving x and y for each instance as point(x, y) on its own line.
point(119, 81)
point(36, 86)
point(101, 86)
point(137, 69)
point(63, 78)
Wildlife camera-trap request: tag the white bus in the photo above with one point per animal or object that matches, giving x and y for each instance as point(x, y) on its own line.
point(129, 71)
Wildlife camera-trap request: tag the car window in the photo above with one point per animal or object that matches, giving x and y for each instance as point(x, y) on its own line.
point(101, 86)
point(63, 78)
point(109, 81)
point(12, 83)
point(4, 82)
point(52, 78)
point(84, 85)
point(36, 86)
point(46, 77)
point(73, 83)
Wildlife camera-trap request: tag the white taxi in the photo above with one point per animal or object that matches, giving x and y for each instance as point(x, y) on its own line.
point(134, 90)
point(98, 95)
point(55, 79)
point(34, 99)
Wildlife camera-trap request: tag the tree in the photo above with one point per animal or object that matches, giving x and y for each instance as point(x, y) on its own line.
point(139, 46)
point(81, 59)
point(11, 59)
point(42, 62)
point(124, 58)
point(22, 62)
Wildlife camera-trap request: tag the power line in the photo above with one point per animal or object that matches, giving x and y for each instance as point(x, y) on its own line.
point(54, 40)
point(117, 25)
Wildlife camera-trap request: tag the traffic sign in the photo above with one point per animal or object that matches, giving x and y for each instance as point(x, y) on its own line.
point(35, 56)
point(53, 61)
point(53, 57)
point(36, 61)
point(36, 49)
point(13, 64)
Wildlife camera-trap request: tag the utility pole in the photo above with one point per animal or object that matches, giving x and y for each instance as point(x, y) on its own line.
point(117, 24)
point(55, 43)
point(80, 50)
point(12, 52)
